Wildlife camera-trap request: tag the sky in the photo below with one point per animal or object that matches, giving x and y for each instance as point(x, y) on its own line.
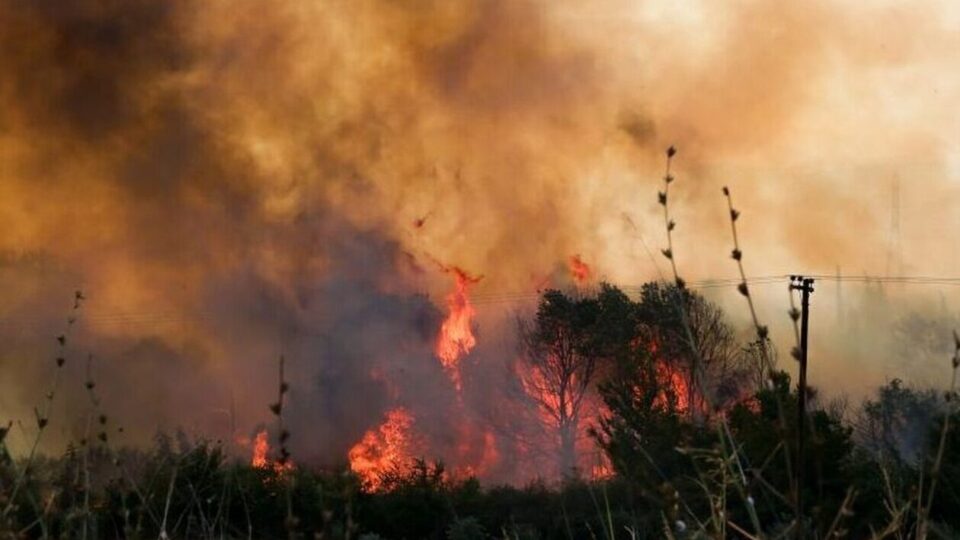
point(228, 182)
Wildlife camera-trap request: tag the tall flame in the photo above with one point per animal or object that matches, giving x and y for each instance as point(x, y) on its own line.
point(260, 449)
point(579, 270)
point(456, 333)
point(383, 449)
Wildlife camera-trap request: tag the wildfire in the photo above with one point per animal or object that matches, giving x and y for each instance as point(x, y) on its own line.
point(673, 383)
point(601, 469)
point(382, 449)
point(260, 458)
point(551, 406)
point(260, 449)
point(474, 459)
point(579, 270)
point(456, 333)
point(675, 387)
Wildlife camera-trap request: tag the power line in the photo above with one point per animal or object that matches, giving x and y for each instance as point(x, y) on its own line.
point(158, 318)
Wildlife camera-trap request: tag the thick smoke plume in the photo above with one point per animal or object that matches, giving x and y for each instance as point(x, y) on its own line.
point(230, 181)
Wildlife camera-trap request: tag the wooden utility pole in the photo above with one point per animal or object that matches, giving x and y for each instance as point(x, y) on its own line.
point(805, 286)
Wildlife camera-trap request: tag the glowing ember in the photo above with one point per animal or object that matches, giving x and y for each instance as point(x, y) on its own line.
point(456, 333)
point(579, 270)
point(384, 449)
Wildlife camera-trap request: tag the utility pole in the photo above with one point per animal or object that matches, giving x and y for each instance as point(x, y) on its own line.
point(805, 286)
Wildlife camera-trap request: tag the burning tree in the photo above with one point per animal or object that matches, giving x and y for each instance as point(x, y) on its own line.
point(657, 387)
point(725, 369)
point(564, 349)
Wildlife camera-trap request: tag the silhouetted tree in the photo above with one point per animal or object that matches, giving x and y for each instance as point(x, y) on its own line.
point(714, 359)
point(564, 347)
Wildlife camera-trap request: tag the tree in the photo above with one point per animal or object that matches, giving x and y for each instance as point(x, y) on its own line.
point(562, 350)
point(689, 334)
point(895, 427)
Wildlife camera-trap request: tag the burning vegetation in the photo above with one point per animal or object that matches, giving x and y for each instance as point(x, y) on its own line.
point(232, 179)
point(260, 457)
point(390, 448)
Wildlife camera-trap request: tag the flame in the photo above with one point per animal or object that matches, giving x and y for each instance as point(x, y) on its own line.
point(549, 409)
point(579, 270)
point(260, 449)
point(674, 387)
point(673, 383)
point(535, 384)
point(260, 458)
point(382, 449)
point(456, 333)
point(475, 458)
point(602, 468)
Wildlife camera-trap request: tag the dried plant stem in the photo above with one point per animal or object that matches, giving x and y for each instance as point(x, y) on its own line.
point(166, 506)
point(737, 254)
point(723, 430)
point(763, 334)
point(283, 435)
point(924, 513)
point(696, 362)
point(42, 414)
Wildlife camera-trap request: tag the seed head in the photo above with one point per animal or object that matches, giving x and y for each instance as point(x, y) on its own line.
point(742, 287)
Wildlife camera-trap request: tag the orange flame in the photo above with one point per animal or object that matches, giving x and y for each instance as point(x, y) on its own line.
point(579, 270)
point(385, 448)
point(260, 449)
point(456, 333)
point(260, 458)
point(675, 387)
point(602, 468)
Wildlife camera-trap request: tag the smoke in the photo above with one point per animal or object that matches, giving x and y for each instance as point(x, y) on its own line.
point(228, 182)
